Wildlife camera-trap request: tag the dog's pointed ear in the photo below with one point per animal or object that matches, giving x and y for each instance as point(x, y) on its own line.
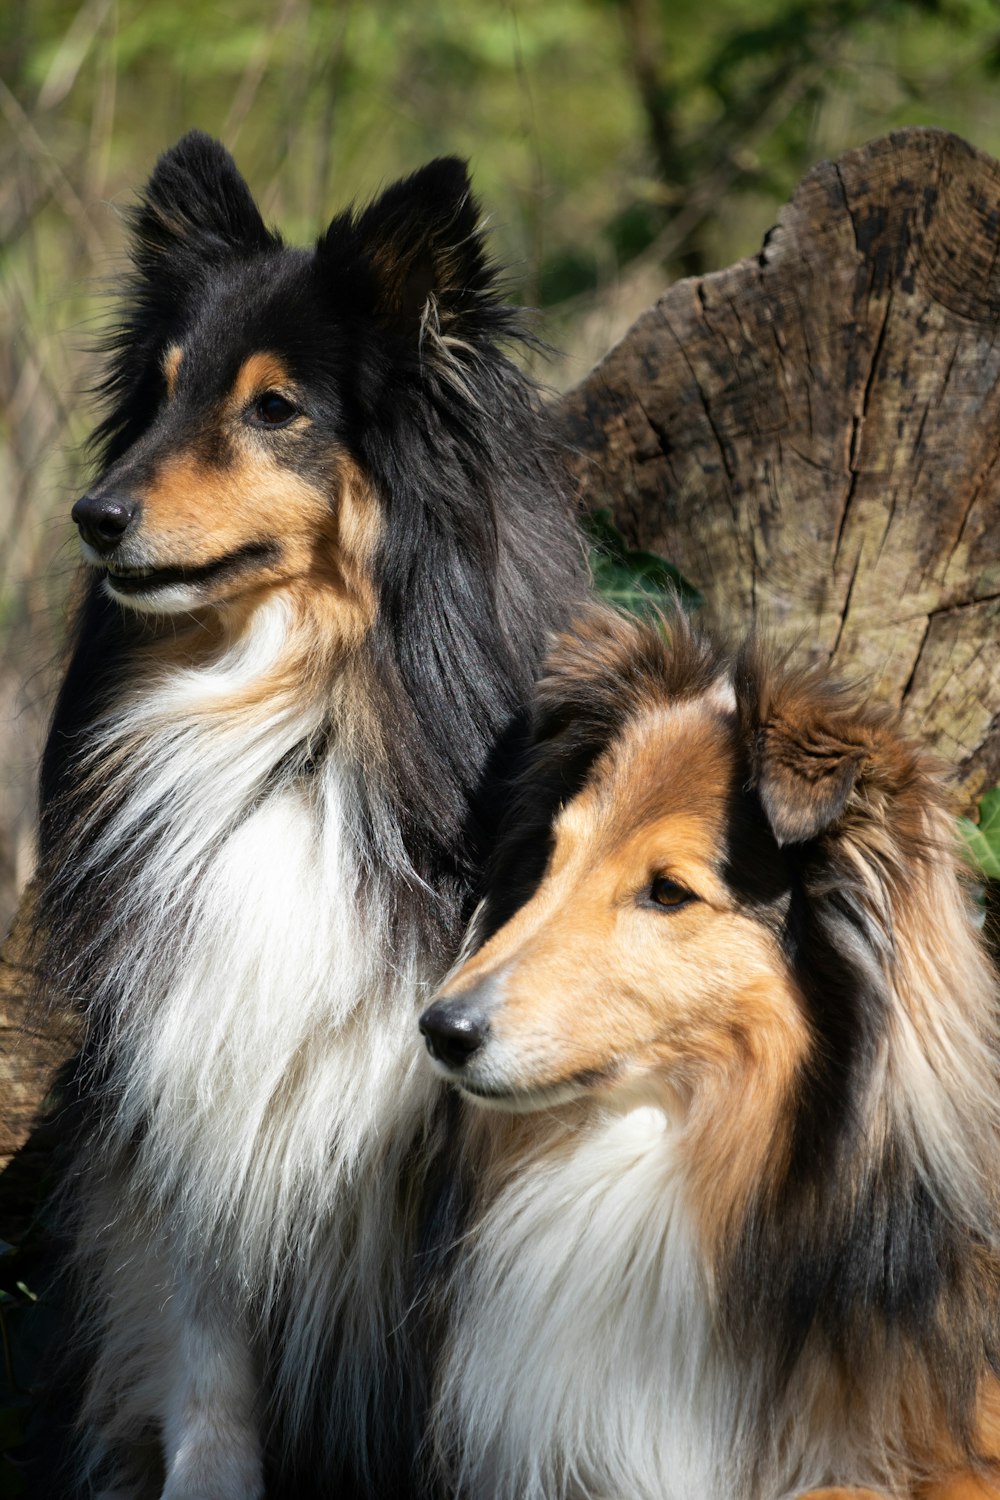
point(806, 774)
point(422, 249)
point(812, 744)
point(196, 209)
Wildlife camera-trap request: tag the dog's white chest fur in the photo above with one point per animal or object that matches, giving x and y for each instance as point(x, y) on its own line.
point(585, 1359)
point(581, 1362)
point(279, 1043)
point(261, 1020)
point(263, 1016)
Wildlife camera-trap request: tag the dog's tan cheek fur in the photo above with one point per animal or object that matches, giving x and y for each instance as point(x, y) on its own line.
point(738, 1129)
point(194, 513)
point(598, 979)
point(338, 565)
point(323, 538)
point(599, 985)
point(325, 568)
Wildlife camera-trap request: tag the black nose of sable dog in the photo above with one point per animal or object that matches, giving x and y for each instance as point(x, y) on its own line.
point(104, 519)
point(453, 1032)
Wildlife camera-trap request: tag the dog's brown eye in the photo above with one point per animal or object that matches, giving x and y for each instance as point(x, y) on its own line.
point(272, 410)
point(669, 894)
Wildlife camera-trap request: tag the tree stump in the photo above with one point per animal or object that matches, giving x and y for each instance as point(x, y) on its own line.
point(34, 1045)
point(813, 437)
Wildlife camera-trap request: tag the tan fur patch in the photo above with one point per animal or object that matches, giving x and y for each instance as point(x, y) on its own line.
point(842, 1494)
point(964, 1486)
point(324, 551)
point(261, 372)
point(195, 513)
point(954, 1478)
point(171, 368)
point(322, 538)
point(988, 1418)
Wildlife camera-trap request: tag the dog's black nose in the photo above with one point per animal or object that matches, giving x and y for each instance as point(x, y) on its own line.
point(104, 519)
point(453, 1031)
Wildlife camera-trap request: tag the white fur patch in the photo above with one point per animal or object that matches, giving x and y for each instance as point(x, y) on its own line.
point(581, 1359)
point(162, 599)
point(585, 1359)
point(262, 1027)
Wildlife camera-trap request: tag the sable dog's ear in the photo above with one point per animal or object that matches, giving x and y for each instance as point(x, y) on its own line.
point(811, 747)
point(805, 778)
point(196, 211)
point(423, 251)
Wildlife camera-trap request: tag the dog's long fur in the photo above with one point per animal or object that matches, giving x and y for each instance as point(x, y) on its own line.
point(738, 1231)
point(265, 796)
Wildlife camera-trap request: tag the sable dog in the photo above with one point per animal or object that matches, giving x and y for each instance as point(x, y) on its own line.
point(745, 1241)
point(326, 541)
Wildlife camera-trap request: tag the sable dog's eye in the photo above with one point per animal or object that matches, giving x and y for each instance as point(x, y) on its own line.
point(272, 410)
point(668, 894)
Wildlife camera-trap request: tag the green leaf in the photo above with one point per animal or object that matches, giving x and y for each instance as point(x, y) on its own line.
point(983, 838)
point(630, 578)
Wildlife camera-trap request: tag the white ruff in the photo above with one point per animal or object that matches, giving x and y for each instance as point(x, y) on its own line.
point(262, 1032)
point(581, 1279)
point(583, 1361)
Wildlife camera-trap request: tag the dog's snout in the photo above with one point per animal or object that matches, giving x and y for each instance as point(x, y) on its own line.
point(453, 1031)
point(104, 519)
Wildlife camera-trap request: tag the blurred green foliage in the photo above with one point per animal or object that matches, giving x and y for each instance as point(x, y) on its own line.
point(589, 122)
point(632, 578)
point(982, 838)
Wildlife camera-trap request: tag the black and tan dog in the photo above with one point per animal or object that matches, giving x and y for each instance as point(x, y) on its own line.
point(739, 1175)
point(325, 541)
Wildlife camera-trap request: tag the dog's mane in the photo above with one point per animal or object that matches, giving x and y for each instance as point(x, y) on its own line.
point(882, 1236)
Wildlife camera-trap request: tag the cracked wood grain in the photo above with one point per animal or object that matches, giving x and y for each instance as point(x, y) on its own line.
point(35, 1041)
point(821, 434)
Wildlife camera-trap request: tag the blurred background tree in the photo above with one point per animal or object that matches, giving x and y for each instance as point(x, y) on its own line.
point(617, 145)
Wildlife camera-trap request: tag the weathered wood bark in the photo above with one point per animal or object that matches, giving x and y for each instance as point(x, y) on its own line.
point(33, 1047)
point(812, 436)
